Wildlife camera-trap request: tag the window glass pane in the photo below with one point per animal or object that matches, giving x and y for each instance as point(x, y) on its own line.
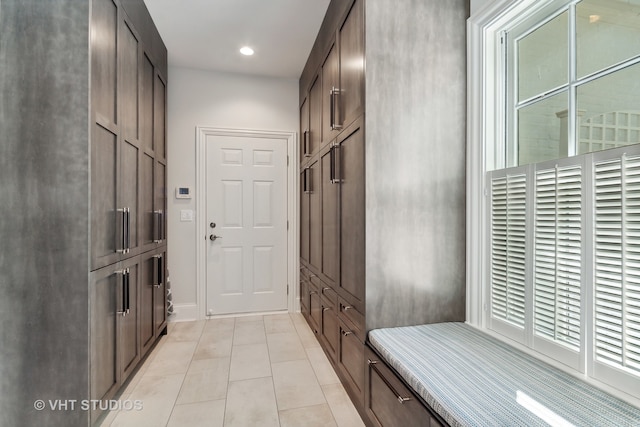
point(608, 32)
point(609, 111)
point(542, 130)
point(543, 58)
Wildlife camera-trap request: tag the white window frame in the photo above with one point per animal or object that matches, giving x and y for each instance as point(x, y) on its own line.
point(486, 122)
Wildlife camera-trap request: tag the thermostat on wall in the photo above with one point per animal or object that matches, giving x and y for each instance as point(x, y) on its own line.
point(183, 192)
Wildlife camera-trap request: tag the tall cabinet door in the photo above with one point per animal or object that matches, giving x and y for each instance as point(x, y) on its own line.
point(315, 218)
point(128, 341)
point(146, 290)
point(315, 116)
point(329, 267)
point(304, 130)
point(148, 216)
point(350, 171)
point(160, 151)
point(330, 95)
point(351, 40)
point(129, 178)
point(105, 145)
point(305, 186)
point(160, 292)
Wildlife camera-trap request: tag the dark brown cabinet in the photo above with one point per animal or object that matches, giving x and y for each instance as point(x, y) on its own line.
point(83, 125)
point(416, 188)
point(388, 402)
point(128, 193)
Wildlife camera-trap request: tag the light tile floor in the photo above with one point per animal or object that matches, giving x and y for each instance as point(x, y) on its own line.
point(237, 372)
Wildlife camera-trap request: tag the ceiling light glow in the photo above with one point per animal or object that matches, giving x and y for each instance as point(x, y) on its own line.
point(246, 50)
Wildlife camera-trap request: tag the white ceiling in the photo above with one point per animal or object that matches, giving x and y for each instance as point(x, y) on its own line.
point(207, 34)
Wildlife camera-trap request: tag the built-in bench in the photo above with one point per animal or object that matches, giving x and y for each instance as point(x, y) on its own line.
point(461, 376)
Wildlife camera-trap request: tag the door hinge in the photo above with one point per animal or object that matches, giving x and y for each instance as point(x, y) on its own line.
point(287, 225)
point(287, 160)
point(287, 289)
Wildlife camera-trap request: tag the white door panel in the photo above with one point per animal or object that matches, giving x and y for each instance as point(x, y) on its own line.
point(247, 201)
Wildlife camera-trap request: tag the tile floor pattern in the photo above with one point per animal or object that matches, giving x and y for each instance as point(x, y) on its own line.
point(237, 372)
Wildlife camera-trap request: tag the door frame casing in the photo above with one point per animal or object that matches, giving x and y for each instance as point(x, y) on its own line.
point(202, 132)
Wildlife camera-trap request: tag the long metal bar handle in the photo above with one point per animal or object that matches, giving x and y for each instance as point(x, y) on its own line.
point(123, 290)
point(400, 398)
point(305, 184)
point(160, 270)
point(127, 295)
point(123, 231)
point(305, 143)
point(332, 164)
point(157, 271)
point(128, 216)
point(337, 159)
point(335, 92)
point(159, 226)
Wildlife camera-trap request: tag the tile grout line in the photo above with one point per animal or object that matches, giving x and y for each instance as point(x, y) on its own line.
point(185, 374)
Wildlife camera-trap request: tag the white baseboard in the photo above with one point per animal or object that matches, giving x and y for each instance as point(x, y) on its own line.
point(184, 313)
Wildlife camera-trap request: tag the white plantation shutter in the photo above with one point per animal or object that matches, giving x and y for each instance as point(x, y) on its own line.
point(558, 255)
point(617, 263)
point(508, 260)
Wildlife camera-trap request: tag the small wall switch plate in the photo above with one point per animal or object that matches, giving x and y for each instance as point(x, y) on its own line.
point(186, 215)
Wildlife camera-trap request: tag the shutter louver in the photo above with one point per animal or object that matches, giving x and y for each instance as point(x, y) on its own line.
point(558, 264)
point(617, 263)
point(508, 259)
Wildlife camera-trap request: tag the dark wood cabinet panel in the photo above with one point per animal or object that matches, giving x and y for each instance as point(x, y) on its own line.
point(304, 215)
point(147, 184)
point(330, 329)
point(304, 130)
point(129, 179)
point(160, 202)
point(160, 293)
point(351, 174)
point(315, 116)
point(147, 267)
point(146, 100)
point(351, 37)
point(128, 342)
point(104, 64)
point(388, 402)
point(159, 118)
point(330, 95)
point(129, 58)
point(105, 239)
point(351, 363)
point(315, 308)
point(104, 295)
point(315, 218)
point(329, 207)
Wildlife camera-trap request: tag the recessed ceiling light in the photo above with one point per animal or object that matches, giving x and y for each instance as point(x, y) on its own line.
point(246, 51)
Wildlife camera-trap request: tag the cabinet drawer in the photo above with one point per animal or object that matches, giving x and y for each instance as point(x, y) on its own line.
point(351, 362)
point(388, 402)
point(352, 317)
point(329, 296)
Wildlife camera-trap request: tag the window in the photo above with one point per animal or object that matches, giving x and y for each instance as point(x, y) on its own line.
point(557, 204)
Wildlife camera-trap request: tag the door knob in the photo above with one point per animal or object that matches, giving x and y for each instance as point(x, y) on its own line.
point(214, 237)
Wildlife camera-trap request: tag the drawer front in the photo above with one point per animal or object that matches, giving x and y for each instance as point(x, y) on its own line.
point(351, 361)
point(330, 330)
point(388, 402)
point(327, 292)
point(315, 307)
point(352, 317)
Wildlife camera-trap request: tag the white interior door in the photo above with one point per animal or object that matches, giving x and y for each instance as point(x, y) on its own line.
point(246, 217)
